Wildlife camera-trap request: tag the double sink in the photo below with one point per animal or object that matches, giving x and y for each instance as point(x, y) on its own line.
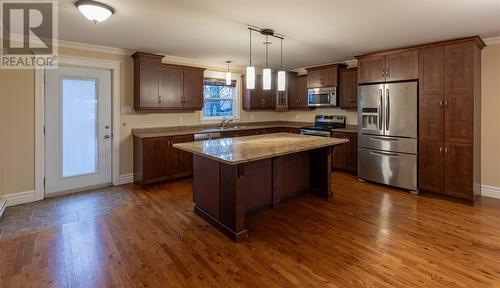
point(215, 133)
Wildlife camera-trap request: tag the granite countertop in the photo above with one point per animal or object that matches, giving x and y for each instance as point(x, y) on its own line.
point(185, 130)
point(251, 148)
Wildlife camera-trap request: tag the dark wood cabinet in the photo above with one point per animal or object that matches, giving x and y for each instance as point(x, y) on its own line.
point(348, 88)
point(449, 117)
point(345, 156)
point(323, 76)
point(162, 87)
point(258, 98)
point(146, 79)
point(395, 65)
point(298, 94)
point(155, 159)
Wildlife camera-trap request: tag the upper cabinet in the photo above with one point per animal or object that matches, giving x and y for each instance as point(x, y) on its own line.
point(162, 87)
point(297, 97)
point(348, 88)
point(258, 98)
point(323, 76)
point(388, 66)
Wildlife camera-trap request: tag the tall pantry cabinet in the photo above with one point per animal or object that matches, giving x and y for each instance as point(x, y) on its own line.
point(450, 118)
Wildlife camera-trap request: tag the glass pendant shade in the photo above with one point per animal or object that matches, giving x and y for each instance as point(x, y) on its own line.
point(250, 77)
point(266, 79)
point(281, 81)
point(228, 78)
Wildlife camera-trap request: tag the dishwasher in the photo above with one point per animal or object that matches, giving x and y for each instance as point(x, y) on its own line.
point(206, 136)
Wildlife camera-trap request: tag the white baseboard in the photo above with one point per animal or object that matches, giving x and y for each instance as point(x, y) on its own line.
point(126, 178)
point(490, 191)
point(3, 205)
point(20, 198)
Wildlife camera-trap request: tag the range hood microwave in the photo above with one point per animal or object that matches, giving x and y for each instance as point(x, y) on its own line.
point(322, 97)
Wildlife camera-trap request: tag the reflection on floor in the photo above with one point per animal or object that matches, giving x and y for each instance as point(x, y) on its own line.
point(365, 236)
point(32, 217)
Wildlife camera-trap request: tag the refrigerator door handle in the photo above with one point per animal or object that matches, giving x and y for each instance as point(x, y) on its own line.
point(387, 109)
point(380, 110)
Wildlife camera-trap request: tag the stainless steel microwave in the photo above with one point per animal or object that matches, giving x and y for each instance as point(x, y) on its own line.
point(317, 97)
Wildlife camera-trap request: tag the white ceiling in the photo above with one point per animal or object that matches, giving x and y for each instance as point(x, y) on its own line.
point(317, 31)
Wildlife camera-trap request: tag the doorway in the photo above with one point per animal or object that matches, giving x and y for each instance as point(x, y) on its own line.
point(78, 133)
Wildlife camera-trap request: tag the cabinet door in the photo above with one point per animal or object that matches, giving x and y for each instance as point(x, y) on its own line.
point(431, 98)
point(193, 88)
point(242, 133)
point(458, 179)
point(146, 91)
point(299, 99)
point(154, 158)
point(459, 92)
point(315, 78)
point(329, 77)
point(339, 153)
point(402, 65)
point(371, 69)
point(348, 88)
point(351, 153)
point(180, 163)
point(171, 86)
point(431, 166)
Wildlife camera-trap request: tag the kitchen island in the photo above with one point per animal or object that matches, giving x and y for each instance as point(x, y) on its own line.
point(234, 177)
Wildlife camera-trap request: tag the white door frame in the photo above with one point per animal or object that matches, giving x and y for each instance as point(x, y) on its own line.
point(114, 66)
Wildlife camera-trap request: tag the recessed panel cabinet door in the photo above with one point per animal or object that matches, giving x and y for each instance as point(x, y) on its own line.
point(458, 170)
point(339, 153)
point(431, 166)
point(348, 88)
point(402, 65)
point(371, 69)
point(180, 162)
point(193, 88)
point(154, 153)
point(431, 90)
point(171, 86)
point(351, 153)
point(459, 93)
point(314, 78)
point(329, 77)
point(146, 82)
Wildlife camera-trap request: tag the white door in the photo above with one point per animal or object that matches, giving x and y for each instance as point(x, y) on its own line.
point(77, 129)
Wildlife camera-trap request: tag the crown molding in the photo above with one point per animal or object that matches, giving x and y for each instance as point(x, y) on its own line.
point(95, 48)
point(492, 40)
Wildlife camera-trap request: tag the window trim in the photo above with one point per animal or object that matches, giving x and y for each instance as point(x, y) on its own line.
point(236, 100)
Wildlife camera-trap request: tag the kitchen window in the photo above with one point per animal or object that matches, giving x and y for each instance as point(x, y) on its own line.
point(220, 100)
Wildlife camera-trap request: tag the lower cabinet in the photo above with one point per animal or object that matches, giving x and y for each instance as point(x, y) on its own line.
point(446, 168)
point(345, 156)
point(156, 160)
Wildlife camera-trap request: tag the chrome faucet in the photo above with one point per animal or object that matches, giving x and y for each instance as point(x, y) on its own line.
point(225, 122)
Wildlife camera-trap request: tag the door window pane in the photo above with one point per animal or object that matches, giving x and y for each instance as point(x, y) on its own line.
point(79, 126)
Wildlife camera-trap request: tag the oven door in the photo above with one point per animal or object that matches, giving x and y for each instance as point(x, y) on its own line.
point(315, 132)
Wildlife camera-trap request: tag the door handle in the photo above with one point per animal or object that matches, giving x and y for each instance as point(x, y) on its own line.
point(387, 110)
point(107, 136)
point(380, 111)
point(384, 154)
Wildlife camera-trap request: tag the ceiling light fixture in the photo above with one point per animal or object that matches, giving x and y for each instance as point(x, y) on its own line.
point(266, 72)
point(228, 74)
point(94, 11)
point(250, 76)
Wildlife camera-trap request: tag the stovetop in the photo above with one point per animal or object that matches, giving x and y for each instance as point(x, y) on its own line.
point(327, 122)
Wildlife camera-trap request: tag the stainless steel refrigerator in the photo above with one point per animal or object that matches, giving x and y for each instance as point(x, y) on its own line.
point(388, 125)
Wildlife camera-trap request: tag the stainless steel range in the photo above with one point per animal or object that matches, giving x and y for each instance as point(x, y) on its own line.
point(387, 144)
point(323, 125)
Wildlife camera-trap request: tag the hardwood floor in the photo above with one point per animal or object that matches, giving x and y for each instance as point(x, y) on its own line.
point(366, 236)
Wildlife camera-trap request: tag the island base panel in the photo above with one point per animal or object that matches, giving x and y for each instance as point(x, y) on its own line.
point(320, 168)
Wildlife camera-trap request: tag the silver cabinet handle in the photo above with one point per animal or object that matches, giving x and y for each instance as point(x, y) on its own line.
point(446, 150)
point(383, 72)
point(387, 110)
point(446, 103)
point(441, 103)
point(440, 150)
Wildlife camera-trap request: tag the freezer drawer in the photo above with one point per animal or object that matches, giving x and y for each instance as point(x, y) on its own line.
point(392, 144)
point(395, 169)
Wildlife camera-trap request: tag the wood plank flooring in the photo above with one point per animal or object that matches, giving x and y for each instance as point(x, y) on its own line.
point(366, 236)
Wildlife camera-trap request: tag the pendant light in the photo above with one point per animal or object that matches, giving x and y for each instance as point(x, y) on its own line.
point(281, 73)
point(228, 74)
point(266, 73)
point(94, 11)
point(250, 75)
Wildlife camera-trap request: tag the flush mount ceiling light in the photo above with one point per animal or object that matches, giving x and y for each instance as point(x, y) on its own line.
point(94, 11)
